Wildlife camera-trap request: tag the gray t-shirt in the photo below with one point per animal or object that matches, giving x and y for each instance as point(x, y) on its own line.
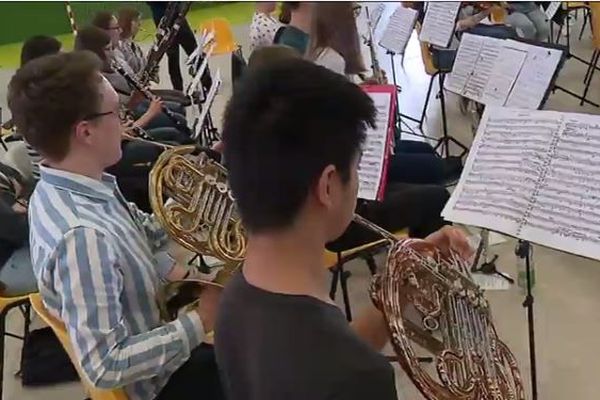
point(273, 346)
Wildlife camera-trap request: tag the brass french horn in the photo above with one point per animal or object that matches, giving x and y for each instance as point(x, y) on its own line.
point(429, 301)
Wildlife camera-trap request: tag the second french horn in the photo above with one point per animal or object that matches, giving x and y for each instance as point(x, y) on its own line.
point(429, 301)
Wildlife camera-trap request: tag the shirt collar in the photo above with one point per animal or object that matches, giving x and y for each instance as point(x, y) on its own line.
point(102, 189)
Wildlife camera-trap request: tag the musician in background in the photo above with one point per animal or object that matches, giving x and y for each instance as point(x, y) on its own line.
point(296, 33)
point(16, 271)
point(149, 115)
point(125, 54)
point(185, 38)
point(263, 27)
point(99, 260)
point(278, 334)
point(529, 20)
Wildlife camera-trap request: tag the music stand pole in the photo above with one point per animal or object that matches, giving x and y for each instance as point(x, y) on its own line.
point(399, 114)
point(523, 251)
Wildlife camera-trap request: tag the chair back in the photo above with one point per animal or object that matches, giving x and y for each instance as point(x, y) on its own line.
point(595, 21)
point(60, 331)
point(224, 40)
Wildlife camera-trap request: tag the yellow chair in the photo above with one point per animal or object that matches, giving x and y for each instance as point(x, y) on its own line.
point(7, 304)
point(60, 331)
point(224, 40)
point(498, 15)
point(335, 261)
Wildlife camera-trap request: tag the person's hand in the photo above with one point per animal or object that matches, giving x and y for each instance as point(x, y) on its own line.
point(19, 208)
point(450, 239)
point(218, 146)
point(155, 107)
point(208, 305)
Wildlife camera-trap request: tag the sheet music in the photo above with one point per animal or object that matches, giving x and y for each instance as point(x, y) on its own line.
point(535, 78)
point(439, 22)
point(464, 63)
point(484, 67)
point(370, 169)
point(196, 81)
point(552, 9)
point(504, 74)
point(534, 175)
point(399, 29)
point(565, 213)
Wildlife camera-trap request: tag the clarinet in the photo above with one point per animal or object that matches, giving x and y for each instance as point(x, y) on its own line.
point(146, 93)
point(377, 72)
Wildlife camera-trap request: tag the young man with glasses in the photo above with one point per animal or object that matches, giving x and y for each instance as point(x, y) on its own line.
point(98, 260)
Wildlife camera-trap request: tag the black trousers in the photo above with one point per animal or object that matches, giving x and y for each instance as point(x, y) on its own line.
point(133, 169)
point(198, 378)
point(186, 39)
point(405, 205)
point(415, 162)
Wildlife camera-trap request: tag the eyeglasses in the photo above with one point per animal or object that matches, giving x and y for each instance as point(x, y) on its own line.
point(94, 116)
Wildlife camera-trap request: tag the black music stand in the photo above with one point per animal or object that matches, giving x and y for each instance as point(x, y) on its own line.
point(524, 252)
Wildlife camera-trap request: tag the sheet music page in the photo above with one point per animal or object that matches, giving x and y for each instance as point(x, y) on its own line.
point(566, 211)
point(504, 74)
point(464, 63)
point(552, 9)
point(484, 67)
point(370, 169)
point(210, 97)
point(399, 29)
point(439, 22)
point(503, 168)
point(535, 77)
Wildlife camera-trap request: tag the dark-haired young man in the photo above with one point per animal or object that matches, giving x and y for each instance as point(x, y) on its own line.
point(98, 260)
point(279, 335)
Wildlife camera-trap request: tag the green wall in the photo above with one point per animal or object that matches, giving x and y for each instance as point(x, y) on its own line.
point(20, 20)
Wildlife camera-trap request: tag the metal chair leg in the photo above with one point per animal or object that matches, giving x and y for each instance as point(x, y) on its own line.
point(2, 334)
point(346, 296)
point(591, 76)
point(334, 279)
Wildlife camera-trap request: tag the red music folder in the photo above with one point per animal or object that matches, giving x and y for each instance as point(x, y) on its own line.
point(372, 170)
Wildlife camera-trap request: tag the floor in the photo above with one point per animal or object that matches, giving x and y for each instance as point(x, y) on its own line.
point(567, 294)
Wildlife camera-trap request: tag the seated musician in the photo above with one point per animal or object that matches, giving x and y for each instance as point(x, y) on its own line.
point(16, 271)
point(149, 115)
point(124, 49)
point(295, 34)
point(98, 260)
point(529, 20)
point(278, 334)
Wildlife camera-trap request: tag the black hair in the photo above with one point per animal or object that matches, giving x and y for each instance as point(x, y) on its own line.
point(39, 46)
point(284, 124)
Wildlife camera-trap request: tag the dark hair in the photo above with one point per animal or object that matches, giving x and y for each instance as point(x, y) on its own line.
point(39, 46)
point(126, 16)
point(283, 125)
point(49, 95)
point(93, 39)
point(102, 19)
point(267, 55)
point(333, 25)
point(285, 15)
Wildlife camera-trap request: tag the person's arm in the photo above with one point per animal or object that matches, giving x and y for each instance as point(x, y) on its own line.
point(14, 228)
point(472, 20)
point(371, 327)
point(88, 275)
point(154, 109)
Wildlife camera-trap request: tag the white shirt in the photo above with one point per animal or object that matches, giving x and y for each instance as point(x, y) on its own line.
point(262, 30)
point(332, 60)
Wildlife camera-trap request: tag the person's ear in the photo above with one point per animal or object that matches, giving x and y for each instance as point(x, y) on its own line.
point(82, 133)
point(325, 186)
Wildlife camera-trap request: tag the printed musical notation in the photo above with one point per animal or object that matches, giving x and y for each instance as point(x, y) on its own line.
point(376, 147)
point(534, 175)
point(439, 22)
point(399, 29)
point(502, 72)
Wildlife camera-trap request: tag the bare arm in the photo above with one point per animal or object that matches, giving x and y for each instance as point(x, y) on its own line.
point(371, 327)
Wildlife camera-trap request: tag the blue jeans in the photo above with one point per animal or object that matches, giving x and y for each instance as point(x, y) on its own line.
point(531, 24)
point(17, 273)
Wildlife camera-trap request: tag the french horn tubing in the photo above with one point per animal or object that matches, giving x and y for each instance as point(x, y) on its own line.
point(429, 301)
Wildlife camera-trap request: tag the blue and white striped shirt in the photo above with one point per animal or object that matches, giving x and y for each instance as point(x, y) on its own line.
point(99, 263)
